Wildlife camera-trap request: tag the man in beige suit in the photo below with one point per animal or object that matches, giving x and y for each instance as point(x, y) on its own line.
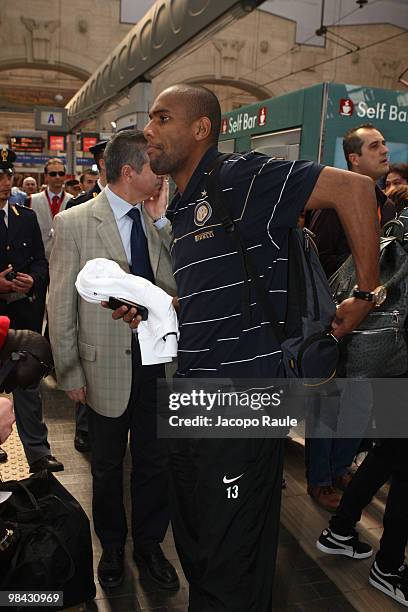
point(51, 201)
point(98, 360)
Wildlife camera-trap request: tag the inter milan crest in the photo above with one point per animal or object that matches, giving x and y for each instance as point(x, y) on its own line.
point(202, 213)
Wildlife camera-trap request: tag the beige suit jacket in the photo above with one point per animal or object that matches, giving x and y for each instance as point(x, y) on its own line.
point(89, 347)
point(39, 204)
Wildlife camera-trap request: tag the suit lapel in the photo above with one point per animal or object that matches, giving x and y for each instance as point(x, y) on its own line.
point(153, 242)
point(64, 202)
point(108, 230)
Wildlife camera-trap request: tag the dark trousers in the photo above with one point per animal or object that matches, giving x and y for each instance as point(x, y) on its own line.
point(81, 417)
point(25, 314)
point(331, 421)
point(328, 458)
point(225, 498)
point(31, 427)
point(149, 477)
point(388, 459)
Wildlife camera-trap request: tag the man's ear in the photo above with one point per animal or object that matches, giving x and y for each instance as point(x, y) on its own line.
point(126, 172)
point(354, 158)
point(202, 128)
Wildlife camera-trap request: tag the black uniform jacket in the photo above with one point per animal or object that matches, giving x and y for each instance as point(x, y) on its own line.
point(84, 197)
point(25, 249)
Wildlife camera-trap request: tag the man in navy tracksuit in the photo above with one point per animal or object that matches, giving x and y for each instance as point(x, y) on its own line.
point(226, 493)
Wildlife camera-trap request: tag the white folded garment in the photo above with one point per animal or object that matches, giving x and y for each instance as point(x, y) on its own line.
point(102, 278)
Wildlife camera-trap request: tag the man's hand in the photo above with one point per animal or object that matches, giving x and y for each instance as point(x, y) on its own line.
point(77, 395)
point(5, 285)
point(22, 283)
point(349, 315)
point(156, 205)
point(6, 419)
point(176, 303)
point(129, 315)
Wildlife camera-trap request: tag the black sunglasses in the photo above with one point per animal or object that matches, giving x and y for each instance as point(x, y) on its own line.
point(54, 173)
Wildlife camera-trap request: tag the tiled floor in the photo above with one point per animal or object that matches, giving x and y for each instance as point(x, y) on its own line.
point(305, 580)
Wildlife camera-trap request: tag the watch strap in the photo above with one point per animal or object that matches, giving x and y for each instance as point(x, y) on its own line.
point(368, 296)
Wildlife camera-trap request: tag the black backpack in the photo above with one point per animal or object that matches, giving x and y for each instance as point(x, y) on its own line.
point(309, 350)
point(52, 548)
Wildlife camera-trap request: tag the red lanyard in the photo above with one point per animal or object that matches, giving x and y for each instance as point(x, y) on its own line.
point(55, 204)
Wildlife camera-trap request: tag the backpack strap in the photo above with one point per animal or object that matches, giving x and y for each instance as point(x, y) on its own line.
point(221, 210)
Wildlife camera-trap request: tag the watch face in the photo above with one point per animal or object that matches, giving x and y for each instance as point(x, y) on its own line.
point(380, 295)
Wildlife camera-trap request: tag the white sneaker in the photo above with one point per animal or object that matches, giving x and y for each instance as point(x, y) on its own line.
point(395, 585)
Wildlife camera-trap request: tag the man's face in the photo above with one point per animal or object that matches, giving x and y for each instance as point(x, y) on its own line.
point(169, 134)
point(55, 177)
point(6, 181)
point(89, 182)
point(73, 190)
point(30, 186)
point(393, 180)
point(373, 161)
point(146, 182)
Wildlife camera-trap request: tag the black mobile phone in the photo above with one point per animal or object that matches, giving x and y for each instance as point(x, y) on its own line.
point(115, 303)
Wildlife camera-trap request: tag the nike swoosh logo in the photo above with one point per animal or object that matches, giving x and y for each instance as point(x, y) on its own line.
point(226, 480)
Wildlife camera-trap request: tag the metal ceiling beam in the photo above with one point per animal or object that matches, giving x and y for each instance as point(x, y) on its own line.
point(168, 26)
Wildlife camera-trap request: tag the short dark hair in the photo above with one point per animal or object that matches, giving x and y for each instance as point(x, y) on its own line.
point(89, 171)
point(125, 148)
point(352, 143)
point(53, 160)
point(399, 197)
point(201, 102)
point(71, 183)
point(401, 169)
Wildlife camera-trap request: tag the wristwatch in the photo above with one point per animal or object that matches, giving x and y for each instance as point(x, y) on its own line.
point(162, 216)
point(378, 296)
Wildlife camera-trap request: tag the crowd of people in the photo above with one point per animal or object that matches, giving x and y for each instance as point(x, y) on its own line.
point(226, 543)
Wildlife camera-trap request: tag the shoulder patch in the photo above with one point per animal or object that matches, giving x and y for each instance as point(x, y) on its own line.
point(202, 213)
point(20, 207)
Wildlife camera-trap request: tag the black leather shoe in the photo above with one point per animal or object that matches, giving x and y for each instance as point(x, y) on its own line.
point(158, 568)
point(48, 462)
point(81, 441)
point(110, 568)
point(3, 456)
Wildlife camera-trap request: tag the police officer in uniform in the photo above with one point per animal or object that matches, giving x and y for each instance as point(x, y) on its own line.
point(23, 283)
point(81, 441)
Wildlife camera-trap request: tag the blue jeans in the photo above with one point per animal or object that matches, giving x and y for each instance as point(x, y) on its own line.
point(334, 428)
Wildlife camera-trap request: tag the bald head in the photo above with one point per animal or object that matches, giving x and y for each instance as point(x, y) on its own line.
point(29, 185)
point(198, 102)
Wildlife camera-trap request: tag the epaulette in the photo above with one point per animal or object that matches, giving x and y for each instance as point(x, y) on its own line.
point(17, 207)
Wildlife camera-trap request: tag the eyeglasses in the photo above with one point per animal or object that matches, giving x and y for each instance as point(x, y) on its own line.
point(54, 173)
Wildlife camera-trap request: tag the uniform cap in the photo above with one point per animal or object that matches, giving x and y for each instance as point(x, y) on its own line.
point(98, 147)
point(7, 159)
